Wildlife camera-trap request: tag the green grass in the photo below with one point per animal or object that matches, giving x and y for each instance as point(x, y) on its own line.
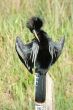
point(16, 84)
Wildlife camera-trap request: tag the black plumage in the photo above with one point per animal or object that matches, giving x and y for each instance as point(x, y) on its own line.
point(42, 52)
point(34, 23)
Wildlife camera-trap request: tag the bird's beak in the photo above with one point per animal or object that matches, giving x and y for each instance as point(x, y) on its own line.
point(36, 35)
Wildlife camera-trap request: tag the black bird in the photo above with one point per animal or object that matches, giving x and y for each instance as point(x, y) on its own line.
point(39, 54)
point(42, 52)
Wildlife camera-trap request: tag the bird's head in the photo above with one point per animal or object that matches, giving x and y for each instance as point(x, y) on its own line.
point(34, 24)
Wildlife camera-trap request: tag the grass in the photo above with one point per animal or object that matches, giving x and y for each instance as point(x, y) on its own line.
point(16, 84)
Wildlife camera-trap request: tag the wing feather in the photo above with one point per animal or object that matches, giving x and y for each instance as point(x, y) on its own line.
point(56, 49)
point(27, 53)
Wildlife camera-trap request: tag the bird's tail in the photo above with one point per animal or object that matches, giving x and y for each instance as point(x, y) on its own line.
point(40, 87)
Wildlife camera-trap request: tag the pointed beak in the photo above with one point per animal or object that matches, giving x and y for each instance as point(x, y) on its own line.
point(35, 34)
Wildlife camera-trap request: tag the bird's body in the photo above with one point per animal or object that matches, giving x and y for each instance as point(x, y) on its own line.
point(38, 55)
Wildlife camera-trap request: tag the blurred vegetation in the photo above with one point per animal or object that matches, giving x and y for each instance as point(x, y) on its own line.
point(16, 84)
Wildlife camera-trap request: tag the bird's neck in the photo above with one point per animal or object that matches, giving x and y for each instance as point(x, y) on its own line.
point(42, 37)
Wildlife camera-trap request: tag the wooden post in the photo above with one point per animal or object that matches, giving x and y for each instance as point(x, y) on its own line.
point(50, 104)
point(44, 98)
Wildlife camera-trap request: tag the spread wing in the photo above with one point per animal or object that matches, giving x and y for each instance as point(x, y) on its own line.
point(27, 53)
point(56, 49)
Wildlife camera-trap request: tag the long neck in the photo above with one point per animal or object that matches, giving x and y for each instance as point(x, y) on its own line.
point(42, 37)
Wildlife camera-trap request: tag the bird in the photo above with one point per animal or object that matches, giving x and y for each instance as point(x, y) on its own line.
point(39, 54)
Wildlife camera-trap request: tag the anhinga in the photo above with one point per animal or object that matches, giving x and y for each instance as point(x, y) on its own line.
point(40, 54)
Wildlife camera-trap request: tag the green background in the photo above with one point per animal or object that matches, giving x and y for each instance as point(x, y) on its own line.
point(16, 84)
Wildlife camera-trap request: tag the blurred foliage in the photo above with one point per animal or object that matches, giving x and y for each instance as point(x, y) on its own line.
point(16, 84)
